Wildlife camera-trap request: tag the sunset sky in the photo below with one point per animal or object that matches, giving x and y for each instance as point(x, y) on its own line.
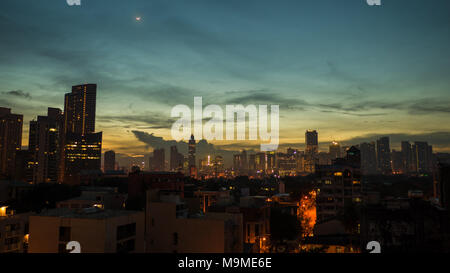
point(351, 71)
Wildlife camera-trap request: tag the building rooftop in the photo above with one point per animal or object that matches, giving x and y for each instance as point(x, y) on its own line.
point(89, 213)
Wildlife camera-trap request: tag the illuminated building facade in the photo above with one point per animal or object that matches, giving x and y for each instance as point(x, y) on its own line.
point(82, 153)
point(339, 185)
point(79, 109)
point(82, 146)
point(13, 230)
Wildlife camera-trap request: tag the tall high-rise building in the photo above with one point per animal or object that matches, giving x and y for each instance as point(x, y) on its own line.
point(240, 163)
point(406, 157)
point(312, 141)
point(442, 185)
point(10, 140)
point(82, 146)
point(44, 145)
point(335, 150)
point(311, 151)
point(79, 109)
point(82, 153)
point(158, 160)
point(252, 164)
point(110, 161)
point(384, 155)
point(422, 157)
point(176, 159)
point(368, 158)
point(191, 157)
point(397, 162)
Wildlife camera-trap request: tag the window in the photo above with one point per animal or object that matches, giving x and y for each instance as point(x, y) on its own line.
point(126, 231)
point(64, 234)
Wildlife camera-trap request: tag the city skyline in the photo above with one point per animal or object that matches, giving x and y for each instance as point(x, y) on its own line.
point(390, 82)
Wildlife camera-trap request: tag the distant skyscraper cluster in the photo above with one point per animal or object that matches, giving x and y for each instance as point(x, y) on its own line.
point(414, 158)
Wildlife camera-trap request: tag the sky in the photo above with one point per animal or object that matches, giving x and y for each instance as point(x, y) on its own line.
point(353, 72)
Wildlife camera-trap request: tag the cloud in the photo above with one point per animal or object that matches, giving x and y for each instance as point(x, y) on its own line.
point(17, 93)
point(413, 107)
point(155, 120)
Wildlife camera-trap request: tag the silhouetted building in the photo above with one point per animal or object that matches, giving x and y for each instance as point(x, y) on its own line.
point(158, 160)
point(44, 145)
point(10, 140)
point(191, 157)
point(384, 155)
point(397, 162)
point(443, 185)
point(176, 159)
point(368, 158)
point(406, 157)
point(110, 161)
point(422, 155)
point(240, 163)
point(140, 182)
point(311, 151)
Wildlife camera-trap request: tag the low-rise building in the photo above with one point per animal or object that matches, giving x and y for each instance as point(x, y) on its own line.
point(13, 231)
point(170, 228)
point(96, 230)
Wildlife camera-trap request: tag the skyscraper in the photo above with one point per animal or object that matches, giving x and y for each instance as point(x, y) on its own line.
point(311, 151)
point(368, 158)
point(10, 140)
point(158, 160)
point(384, 155)
point(191, 157)
point(79, 109)
point(82, 146)
point(110, 161)
point(423, 157)
point(406, 157)
point(176, 159)
point(44, 145)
